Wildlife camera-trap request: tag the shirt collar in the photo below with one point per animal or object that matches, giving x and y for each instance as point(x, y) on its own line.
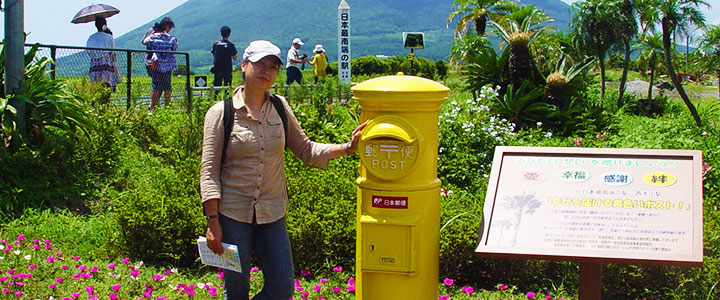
point(238, 101)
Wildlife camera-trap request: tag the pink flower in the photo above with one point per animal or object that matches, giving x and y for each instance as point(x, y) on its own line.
point(20, 284)
point(36, 247)
point(59, 279)
point(18, 294)
point(705, 168)
point(299, 288)
point(221, 275)
point(323, 280)
point(94, 269)
point(212, 292)
point(305, 294)
point(548, 296)
point(448, 281)
point(578, 141)
point(351, 281)
point(113, 297)
point(64, 267)
point(125, 260)
point(161, 298)
point(50, 259)
point(52, 285)
point(317, 287)
point(21, 237)
point(351, 288)
point(337, 269)
point(158, 277)
point(444, 192)
point(5, 291)
point(82, 268)
point(304, 272)
point(530, 295)
point(468, 290)
point(90, 289)
point(336, 290)
point(444, 297)
point(254, 269)
point(111, 266)
point(134, 273)
point(147, 295)
point(47, 242)
point(116, 287)
point(75, 295)
point(297, 282)
point(502, 287)
point(32, 267)
point(76, 257)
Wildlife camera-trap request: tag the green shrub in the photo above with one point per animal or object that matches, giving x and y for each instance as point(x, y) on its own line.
point(419, 66)
point(442, 68)
point(369, 65)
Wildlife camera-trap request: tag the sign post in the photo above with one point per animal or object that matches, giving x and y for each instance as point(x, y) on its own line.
point(594, 206)
point(344, 73)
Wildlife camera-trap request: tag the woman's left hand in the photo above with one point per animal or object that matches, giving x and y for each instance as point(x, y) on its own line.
point(352, 147)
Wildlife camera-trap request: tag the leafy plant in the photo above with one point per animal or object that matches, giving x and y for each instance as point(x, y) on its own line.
point(521, 106)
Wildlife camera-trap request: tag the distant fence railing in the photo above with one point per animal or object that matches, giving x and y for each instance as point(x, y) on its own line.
point(73, 64)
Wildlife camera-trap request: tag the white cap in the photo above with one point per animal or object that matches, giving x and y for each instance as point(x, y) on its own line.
point(298, 41)
point(318, 48)
point(258, 49)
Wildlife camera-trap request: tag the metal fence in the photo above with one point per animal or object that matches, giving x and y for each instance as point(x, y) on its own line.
point(72, 64)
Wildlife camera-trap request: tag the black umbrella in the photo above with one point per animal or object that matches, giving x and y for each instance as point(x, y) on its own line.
point(89, 13)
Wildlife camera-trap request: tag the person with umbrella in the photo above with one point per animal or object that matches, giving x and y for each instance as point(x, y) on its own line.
point(102, 63)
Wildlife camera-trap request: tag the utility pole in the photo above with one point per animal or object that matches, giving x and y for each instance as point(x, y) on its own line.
point(15, 58)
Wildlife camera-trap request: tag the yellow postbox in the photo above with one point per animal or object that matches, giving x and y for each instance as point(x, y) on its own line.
point(398, 210)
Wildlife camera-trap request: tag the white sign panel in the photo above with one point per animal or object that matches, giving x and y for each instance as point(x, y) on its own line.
point(344, 42)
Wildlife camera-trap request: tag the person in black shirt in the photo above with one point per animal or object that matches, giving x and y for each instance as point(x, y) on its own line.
point(223, 51)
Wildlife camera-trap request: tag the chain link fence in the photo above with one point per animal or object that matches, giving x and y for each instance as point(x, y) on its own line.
point(132, 84)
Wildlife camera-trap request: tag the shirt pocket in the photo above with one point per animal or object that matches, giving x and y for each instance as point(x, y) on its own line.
point(241, 139)
point(275, 127)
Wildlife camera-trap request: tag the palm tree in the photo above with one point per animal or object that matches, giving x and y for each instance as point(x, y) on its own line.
point(652, 49)
point(595, 24)
point(710, 44)
point(519, 36)
point(627, 29)
point(477, 13)
point(678, 15)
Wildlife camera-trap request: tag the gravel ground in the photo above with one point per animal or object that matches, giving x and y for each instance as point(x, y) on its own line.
point(640, 88)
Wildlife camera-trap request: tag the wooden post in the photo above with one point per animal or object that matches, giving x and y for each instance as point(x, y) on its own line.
point(590, 281)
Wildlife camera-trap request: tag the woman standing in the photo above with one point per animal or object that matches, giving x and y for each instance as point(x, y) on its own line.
point(102, 63)
point(244, 193)
point(319, 62)
point(162, 64)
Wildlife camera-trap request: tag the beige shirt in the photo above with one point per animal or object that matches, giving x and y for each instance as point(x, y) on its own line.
point(253, 174)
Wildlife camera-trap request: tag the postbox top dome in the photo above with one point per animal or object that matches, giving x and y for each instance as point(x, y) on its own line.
point(400, 83)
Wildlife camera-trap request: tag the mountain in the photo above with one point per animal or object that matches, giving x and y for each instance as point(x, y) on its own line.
point(376, 25)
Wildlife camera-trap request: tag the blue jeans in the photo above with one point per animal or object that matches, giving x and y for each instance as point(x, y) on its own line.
point(271, 245)
point(293, 74)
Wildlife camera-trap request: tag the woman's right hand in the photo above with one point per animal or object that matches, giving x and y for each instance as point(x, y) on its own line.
point(214, 236)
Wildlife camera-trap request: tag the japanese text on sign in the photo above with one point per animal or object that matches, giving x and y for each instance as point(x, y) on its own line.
point(344, 55)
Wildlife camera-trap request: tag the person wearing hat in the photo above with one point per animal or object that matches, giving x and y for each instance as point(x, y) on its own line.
point(224, 53)
point(243, 187)
point(319, 62)
point(294, 61)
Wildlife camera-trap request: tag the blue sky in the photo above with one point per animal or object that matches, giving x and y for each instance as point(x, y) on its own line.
point(48, 21)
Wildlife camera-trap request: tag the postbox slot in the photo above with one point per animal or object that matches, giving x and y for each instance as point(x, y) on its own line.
point(388, 244)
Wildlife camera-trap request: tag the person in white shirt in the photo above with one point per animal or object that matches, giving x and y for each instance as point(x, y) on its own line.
point(294, 61)
point(102, 62)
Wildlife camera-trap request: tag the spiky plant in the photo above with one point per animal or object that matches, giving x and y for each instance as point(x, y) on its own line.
point(519, 37)
point(557, 82)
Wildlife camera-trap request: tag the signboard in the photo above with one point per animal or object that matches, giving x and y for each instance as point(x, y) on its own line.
point(200, 81)
point(594, 205)
point(344, 56)
point(414, 40)
point(389, 202)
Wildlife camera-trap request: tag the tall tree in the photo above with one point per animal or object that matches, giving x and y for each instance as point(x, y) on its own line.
point(678, 15)
point(477, 13)
point(710, 44)
point(595, 24)
point(652, 49)
point(626, 31)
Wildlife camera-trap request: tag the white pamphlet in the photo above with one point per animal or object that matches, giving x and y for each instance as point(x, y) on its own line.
point(230, 259)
